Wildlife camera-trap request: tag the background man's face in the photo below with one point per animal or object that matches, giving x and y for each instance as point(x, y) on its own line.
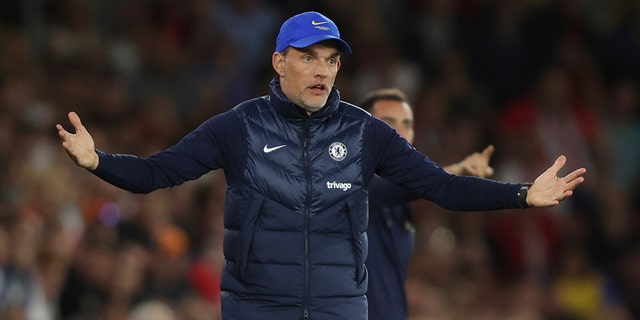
point(398, 114)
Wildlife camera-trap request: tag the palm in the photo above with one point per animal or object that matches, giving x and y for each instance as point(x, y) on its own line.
point(548, 189)
point(79, 145)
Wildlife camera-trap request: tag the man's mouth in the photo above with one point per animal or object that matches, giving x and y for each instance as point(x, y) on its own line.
point(318, 88)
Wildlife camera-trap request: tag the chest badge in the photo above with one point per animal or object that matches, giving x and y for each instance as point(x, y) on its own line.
point(338, 151)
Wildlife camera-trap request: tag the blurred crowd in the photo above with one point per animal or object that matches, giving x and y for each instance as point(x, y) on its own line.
point(535, 78)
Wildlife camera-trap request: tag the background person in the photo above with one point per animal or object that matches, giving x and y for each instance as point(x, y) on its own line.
point(391, 233)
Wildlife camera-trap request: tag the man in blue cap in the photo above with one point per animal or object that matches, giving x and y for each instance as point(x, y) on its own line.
point(297, 163)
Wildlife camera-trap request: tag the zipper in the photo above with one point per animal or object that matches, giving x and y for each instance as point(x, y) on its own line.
point(307, 213)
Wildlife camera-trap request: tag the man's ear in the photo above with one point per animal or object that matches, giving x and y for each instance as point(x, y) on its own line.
point(277, 60)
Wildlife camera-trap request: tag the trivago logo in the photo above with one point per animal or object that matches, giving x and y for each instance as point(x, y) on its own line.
point(338, 185)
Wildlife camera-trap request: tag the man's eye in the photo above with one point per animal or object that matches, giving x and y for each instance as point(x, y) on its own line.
point(306, 58)
point(333, 61)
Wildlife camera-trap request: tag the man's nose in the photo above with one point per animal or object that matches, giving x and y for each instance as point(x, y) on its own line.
point(321, 69)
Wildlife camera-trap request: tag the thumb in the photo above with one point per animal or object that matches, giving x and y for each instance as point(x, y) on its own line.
point(560, 162)
point(75, 121)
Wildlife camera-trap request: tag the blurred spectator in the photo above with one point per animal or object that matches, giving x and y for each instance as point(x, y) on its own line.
point(250, 25)
point(582, 292)
point(627, 277)
point(622, 131)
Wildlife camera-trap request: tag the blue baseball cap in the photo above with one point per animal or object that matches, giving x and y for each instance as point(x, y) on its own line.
point(307, 28)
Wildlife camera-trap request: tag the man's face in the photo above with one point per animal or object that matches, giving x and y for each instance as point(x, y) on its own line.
point(307, 75)
point(397, 114)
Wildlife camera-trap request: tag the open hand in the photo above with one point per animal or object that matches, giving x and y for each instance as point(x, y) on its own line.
point(548, 190)
point(79, 145)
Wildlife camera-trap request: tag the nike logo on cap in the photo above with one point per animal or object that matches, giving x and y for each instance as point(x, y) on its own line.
point(313, 22)
point(266, 148)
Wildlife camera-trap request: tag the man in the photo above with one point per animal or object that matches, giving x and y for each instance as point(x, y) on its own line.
point(390, 233)
point(297, 164)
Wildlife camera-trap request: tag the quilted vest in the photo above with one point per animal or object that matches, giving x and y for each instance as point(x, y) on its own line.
point(295, 225)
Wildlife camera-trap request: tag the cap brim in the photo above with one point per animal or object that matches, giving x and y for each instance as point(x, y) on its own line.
point(305, 42)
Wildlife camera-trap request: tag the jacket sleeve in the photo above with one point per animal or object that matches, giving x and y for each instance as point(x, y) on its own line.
point(383, 191)
point(202, 150)
point(395, 159)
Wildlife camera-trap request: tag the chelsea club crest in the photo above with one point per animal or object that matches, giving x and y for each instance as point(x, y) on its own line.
point(338, 151)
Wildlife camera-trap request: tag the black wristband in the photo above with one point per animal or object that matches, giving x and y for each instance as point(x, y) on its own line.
point(522, 195)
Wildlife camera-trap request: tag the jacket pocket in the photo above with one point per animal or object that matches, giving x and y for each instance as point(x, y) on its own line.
point(357, 209)
point(248, 230)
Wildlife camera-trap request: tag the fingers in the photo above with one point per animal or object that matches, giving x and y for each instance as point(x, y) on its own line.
point(62, 132)
point(75, 121)
point(565, 195)
point(488, 172)
point(550, 190)
point(477, 163)
point(65, 135)
point(575, 178)
point(575, 174)
point(488, 152)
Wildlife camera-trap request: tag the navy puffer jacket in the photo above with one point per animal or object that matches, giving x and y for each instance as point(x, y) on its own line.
point(296, 205)
point(296, 220)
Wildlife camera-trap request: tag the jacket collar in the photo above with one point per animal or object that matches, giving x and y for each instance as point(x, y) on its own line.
point(284, 107)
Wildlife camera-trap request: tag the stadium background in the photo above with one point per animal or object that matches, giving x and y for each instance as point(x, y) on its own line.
point(536, 78)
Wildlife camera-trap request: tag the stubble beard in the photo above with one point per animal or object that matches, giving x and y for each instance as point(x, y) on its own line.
point(311, 107)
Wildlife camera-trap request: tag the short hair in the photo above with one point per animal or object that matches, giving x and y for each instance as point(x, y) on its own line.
point(392, 94)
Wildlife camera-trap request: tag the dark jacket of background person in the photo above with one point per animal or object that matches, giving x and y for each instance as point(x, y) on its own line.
point(391, 239)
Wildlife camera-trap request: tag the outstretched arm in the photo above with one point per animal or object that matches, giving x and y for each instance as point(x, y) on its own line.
point(79, 145)
point(475, 164)
point(548, 190)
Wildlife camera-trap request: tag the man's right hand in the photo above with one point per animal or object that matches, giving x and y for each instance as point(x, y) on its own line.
point(79, 146)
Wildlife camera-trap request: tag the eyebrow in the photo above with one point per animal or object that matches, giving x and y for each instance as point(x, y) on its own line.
point(315, 53)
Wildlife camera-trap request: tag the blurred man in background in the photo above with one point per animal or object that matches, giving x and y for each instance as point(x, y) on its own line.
point(390, 231)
